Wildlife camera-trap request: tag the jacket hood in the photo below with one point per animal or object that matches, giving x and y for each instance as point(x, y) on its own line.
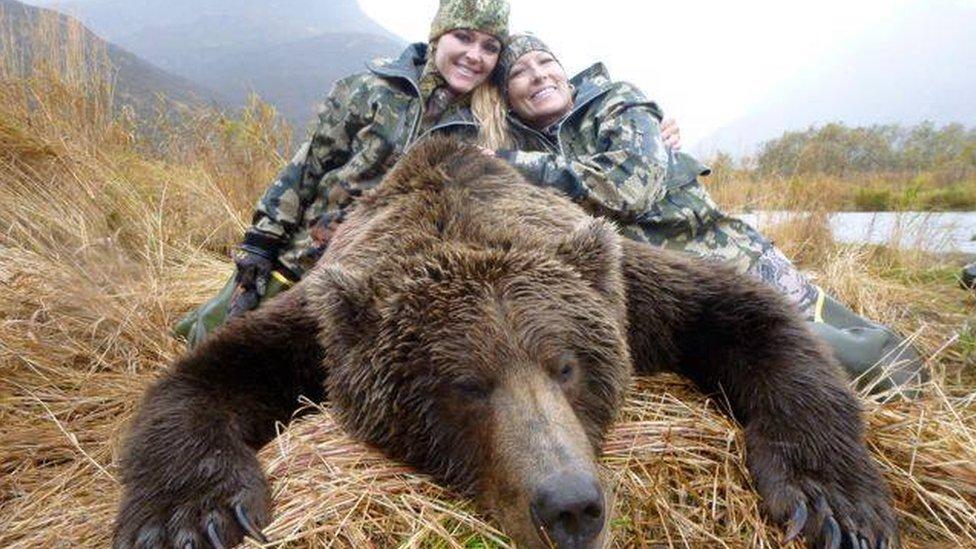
point(408, 65)
point(590, 83)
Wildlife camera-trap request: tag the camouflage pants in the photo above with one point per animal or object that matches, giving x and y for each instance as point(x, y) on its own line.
point(688, 220)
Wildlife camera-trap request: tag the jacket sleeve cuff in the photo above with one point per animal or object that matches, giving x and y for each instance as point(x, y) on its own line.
point(262, 244)
point(506, 155)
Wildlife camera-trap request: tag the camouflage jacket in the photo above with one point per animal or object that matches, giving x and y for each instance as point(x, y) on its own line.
point(607, 153)
point(366, 123)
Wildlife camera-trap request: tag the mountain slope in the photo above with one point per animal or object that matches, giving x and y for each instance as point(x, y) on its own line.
point(137, 81)
point(294, 76)
point(122, 20)
point(289, 51)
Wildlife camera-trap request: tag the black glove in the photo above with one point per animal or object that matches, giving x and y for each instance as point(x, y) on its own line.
point(255, 261)
point(253, 273)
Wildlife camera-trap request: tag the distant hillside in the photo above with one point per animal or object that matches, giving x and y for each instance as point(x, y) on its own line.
point(287, 74)
point(919, 65)
point(131, 21)
point(137, 81)
point(289, 51)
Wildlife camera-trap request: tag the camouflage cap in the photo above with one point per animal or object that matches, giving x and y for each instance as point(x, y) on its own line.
point(490, 16)
point(515, 47)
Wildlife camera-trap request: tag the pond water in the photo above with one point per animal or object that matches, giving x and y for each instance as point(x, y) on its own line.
point(935, 232)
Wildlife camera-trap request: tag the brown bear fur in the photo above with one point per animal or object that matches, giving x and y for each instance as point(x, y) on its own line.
point(484, 330)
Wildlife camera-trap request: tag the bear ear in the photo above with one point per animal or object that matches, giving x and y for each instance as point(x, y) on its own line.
point(594, 250)
point(348, 302)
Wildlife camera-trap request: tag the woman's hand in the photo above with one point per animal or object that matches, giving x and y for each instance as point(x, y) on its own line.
point(486, 151)
point(671, 134)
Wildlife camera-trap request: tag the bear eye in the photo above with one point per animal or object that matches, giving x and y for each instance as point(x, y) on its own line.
point(566, 370)
point(471, 389)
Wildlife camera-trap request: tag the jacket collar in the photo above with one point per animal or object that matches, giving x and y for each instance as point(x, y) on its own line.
point(407, 67)
point(590, 84)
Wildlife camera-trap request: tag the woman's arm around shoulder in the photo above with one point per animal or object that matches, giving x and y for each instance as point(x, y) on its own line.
point(622, 169)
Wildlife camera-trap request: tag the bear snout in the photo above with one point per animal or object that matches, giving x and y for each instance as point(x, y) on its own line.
point(545, 487)
point(568, 509)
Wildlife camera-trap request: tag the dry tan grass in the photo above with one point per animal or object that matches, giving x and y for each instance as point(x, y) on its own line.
point(103, 245)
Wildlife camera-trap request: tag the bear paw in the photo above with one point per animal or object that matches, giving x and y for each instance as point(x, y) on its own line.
point(210, 511)
point(841, 503)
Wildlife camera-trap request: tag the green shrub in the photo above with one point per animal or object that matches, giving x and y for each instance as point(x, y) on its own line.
point(957, 197)
point(867, 199)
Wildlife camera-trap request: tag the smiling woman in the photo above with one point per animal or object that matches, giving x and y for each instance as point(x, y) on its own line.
point(368, 121)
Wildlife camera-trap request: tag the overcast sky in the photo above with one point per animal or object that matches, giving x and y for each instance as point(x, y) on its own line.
point(707, 62)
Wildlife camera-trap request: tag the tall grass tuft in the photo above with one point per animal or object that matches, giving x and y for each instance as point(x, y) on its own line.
point(111, 228)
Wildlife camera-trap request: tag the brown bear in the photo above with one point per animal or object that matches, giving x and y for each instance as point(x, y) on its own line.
point(484, 331)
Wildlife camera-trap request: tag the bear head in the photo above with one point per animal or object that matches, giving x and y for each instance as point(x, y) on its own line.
point(496, 369)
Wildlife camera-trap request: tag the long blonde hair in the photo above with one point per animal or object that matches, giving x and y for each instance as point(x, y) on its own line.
point(489, 110)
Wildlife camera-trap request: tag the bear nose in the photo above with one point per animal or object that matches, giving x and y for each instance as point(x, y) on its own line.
point(569, 507)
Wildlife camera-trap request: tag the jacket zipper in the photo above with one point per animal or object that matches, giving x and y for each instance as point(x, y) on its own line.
point(396, 73)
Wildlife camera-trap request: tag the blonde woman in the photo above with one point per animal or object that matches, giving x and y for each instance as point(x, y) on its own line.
point(366, 123)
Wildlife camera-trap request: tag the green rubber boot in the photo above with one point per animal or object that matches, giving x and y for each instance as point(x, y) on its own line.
point(873, 354)
point(967, 279)
point(200, 322)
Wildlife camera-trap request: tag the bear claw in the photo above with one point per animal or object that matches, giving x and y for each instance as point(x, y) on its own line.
point(819, 522)
point(832, 533)
point(797, 522)
point(248, 526)
point(213, 536)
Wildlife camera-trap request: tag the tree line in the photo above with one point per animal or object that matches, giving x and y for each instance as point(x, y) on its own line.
point(838, 150)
